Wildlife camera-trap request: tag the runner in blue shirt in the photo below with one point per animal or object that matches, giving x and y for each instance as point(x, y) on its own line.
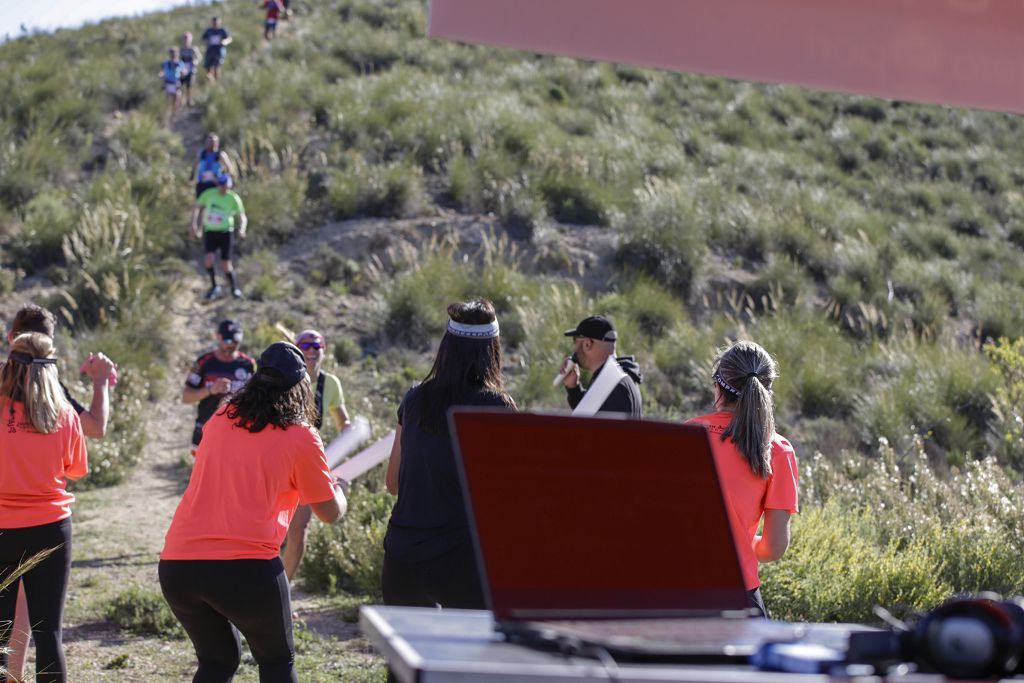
point(170, 76)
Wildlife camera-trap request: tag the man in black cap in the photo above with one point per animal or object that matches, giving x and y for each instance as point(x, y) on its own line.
point(216, 374)
point(595, 343)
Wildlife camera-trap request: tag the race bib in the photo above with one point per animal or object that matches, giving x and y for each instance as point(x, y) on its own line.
point(215, 218)
point(208, 176)
point(215, 40)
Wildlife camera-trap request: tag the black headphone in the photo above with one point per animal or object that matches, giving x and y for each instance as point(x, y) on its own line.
point(977, 637)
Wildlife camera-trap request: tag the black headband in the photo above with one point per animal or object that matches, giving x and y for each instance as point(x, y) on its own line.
point(27, 359)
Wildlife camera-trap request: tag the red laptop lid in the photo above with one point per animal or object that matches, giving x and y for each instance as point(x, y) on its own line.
point(595, 517)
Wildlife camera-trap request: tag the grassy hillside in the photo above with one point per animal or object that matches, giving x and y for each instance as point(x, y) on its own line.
point(875, 247)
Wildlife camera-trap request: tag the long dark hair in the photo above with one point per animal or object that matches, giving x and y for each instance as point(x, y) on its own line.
point(461, 367)
point(260, 403)
point(745, 372)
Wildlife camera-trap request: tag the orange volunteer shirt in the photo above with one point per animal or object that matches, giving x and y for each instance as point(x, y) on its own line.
point(746, 495)
point(34, 468)
point(244, 489)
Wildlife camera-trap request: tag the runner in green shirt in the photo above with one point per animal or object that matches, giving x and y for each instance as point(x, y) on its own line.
point(329, 400)
point(216, 210)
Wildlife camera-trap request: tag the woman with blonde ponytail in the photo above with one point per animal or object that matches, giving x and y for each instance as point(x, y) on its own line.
point(41, 446)
point(757, 466)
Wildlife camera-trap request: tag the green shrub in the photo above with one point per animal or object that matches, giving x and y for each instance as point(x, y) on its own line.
point(262, 277)
point(8, 280)
point(108, 276)
point(940, 393)
point(1007, 430)
point(144, 613)
point(346, 351)
point(273, 205)
point(394, 190)
point(113, 457)
point(900, 535)
point(663, 238)
point(999, 311)
point(575, 199)
point(349, 555)
point(49, 217)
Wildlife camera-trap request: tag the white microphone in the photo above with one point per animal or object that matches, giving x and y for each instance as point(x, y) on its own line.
point(561, 375)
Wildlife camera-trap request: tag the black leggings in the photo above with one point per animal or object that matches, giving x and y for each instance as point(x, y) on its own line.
point(451, 580)
point(757, 602)
point(46, 585)
point(215, 599)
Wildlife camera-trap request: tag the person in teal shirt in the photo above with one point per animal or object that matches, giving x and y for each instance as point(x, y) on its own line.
point(216, 210)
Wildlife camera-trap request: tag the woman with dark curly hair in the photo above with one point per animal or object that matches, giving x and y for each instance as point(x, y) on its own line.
point(220, 569)
point(428, 554)
point(756, 464)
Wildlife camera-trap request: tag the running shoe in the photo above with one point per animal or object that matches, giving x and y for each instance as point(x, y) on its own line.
point(237, 293)
point(213, 293)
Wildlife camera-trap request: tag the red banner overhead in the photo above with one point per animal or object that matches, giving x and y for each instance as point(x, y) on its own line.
point(958, 52)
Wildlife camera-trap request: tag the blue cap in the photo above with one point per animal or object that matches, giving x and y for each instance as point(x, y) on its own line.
point(224, 179)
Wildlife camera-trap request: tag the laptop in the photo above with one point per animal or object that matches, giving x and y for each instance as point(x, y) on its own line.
point(602, 532)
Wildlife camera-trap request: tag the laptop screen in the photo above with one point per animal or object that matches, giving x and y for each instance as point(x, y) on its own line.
point(591, 517)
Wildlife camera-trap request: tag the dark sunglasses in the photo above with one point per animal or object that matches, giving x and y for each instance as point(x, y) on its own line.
point(306, 346)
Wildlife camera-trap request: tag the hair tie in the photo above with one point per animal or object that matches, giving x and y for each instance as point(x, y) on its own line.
point(26, 359)
point(751, 374)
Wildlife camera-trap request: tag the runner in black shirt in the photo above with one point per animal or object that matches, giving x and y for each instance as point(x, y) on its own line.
point(216, 374)
point(216, 39)
point(189, 55)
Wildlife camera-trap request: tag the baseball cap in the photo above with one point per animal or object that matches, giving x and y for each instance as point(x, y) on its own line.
point(595, 327)
point(224, 179)
point(282, 364)
point(229, 330)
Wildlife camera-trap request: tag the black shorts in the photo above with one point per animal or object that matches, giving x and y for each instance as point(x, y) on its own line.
point(203, 187)
point(223, 242)
point(186, 79)
point(197, 434)
point(213, 57)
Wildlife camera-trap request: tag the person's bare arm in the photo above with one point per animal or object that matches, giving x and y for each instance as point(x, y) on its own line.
point(243, 222)
point(394, 463)
point(774, 539)
point(228, 165)
point(332, 509)
point(197, 214)
point(341, 419)
point(94, 420)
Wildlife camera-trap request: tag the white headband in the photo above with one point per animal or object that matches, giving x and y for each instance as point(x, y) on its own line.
point(488, 331)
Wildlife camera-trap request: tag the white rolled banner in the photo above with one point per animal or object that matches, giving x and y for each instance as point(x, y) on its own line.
point(366, 460)
point(600, 389)
point(347, 442)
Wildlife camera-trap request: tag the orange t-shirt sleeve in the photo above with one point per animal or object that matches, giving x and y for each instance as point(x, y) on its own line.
point(783, 484)
point(76, 458)
point(311, 475)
